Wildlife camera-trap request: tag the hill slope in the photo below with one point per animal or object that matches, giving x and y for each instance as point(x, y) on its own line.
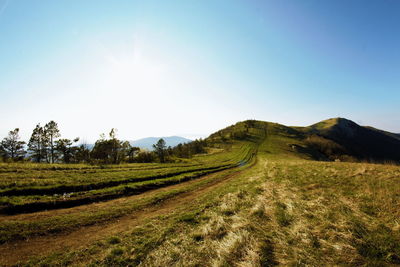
point(363, 143)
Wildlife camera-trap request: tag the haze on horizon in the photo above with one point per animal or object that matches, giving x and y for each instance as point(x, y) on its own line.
point(189, 68)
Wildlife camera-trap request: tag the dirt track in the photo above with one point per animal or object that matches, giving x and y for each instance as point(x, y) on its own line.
point(11, 253)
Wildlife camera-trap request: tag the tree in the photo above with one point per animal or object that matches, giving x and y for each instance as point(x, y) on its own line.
point(145, 157)
point(110, 150)
point(132, 152)
point(82, 153)
point(198, 146)
point(115, 146)
point(188, 149)
point(65, 148)
point(101, 149)
point(51, 132)
point(2, 153)
point(126, 152)
point(160, 148)
point(12, 147)
point(36, 143)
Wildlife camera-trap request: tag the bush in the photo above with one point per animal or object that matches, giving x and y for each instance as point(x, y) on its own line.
point(145, 157)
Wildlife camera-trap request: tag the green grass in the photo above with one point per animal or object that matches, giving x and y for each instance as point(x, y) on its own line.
point(17, 230)
point(14, 202)
point(76, 185)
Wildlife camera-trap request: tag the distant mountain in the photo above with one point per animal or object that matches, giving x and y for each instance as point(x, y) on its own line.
point(148, 142)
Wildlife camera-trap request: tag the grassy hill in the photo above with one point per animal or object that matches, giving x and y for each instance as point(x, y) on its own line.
point(332, 139)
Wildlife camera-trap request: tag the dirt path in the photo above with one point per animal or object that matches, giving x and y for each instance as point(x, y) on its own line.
point(40, 246)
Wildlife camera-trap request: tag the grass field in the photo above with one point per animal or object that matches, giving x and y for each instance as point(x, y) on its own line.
point(32, 187)
point(256, 202)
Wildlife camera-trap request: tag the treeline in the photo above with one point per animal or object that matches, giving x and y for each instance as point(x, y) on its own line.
point(46, 146)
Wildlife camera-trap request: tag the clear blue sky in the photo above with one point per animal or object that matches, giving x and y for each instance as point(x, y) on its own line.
point(157, 68)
